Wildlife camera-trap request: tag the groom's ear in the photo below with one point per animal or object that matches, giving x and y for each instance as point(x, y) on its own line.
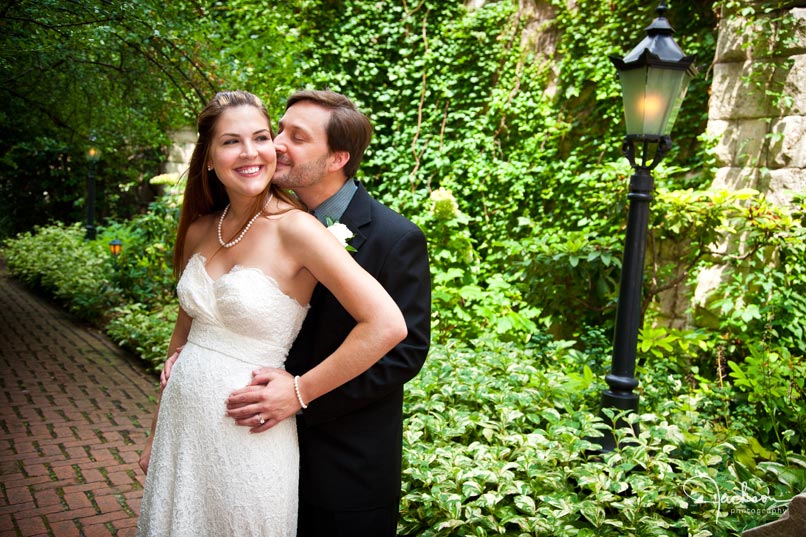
point(338, 160)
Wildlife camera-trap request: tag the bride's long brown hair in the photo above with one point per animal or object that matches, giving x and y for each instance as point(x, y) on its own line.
point(204, 192)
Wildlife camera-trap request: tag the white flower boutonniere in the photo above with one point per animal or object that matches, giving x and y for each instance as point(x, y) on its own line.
point(341, 232)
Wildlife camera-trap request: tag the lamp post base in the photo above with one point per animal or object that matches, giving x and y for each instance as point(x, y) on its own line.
point(620, 402)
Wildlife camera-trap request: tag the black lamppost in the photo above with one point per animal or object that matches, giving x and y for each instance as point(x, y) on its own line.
point(654, 79)
point(92, 157)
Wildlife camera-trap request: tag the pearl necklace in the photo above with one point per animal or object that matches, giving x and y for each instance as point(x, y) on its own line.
point(237, 239)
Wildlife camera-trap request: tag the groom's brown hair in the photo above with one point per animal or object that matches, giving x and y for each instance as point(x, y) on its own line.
point(348, 130)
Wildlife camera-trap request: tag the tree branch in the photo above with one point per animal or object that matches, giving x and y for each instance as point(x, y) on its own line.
point(418, 156)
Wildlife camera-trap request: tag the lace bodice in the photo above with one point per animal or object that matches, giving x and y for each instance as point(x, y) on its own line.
point(244, 313)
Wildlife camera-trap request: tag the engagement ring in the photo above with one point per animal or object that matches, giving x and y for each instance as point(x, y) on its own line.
point(260, 419)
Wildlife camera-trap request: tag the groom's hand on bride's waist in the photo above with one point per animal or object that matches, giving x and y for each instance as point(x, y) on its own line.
point(269, 397)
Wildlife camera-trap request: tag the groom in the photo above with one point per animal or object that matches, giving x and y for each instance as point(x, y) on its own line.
point(351, 438)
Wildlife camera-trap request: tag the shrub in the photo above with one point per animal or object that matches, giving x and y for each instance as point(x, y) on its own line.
point(466, 302)
point(132, 296)
point(58, 260)
point(145, 332)
point(145, 270)
point(496, 446)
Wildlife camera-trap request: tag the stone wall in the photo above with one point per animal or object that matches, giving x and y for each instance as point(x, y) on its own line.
point(757, 112)
point(758, 104)
point(179, 155)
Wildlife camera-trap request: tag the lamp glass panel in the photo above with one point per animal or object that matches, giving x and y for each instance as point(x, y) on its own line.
point(665, 88)
point(652, 98)
point(633, 86)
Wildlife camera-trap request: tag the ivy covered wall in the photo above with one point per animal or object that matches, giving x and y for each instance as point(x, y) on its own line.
point(757, 109)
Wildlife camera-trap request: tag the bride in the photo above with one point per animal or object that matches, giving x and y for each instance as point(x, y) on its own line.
point(249, 256)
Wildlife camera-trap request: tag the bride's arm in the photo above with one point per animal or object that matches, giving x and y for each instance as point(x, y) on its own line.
point(379, 327)
point(379, 323)
point(178, 338)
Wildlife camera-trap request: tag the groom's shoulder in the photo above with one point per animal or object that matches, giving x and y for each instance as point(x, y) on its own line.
point(390, 219)
point(389, 216)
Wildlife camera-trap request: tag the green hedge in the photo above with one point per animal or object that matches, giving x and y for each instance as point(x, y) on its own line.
point(57, 260)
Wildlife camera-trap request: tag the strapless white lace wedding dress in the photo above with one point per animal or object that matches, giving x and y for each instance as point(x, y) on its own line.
point(208, 476)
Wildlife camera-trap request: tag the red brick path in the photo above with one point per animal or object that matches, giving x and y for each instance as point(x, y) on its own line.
point(74, 411)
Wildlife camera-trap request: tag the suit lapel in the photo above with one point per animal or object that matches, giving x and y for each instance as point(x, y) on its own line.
point(358, 216)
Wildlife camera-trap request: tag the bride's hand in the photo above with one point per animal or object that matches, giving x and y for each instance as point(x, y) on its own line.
point(145, 456)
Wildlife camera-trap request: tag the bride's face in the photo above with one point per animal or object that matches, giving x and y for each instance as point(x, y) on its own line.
point(242, 152)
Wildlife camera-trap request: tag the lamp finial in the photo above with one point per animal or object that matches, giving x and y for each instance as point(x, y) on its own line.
point(661, 10)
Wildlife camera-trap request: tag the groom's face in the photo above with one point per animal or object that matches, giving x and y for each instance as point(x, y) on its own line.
point(303, 155)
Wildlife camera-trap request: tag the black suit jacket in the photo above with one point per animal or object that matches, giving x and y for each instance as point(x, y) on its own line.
point(351, 438)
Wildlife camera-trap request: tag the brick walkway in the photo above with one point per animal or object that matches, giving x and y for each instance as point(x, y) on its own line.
point(74, 411)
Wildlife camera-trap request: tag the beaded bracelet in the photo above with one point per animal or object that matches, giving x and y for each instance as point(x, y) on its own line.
point(296, 390)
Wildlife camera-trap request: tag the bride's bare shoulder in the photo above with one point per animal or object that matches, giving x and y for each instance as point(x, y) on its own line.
point(297, 225)
point(291, 214)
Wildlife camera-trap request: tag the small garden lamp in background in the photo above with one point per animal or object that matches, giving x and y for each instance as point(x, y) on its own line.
point(654, 79)
point(115, 246)
point(92, 156)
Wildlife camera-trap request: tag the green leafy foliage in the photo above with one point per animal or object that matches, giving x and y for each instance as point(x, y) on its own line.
point(115, 76)
point(60, 262)
point(145, 266)
point(512, 451)
point(761, 314)
point(773, 380)
point(144, 331)
point(131, 296)
point(464, 304)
